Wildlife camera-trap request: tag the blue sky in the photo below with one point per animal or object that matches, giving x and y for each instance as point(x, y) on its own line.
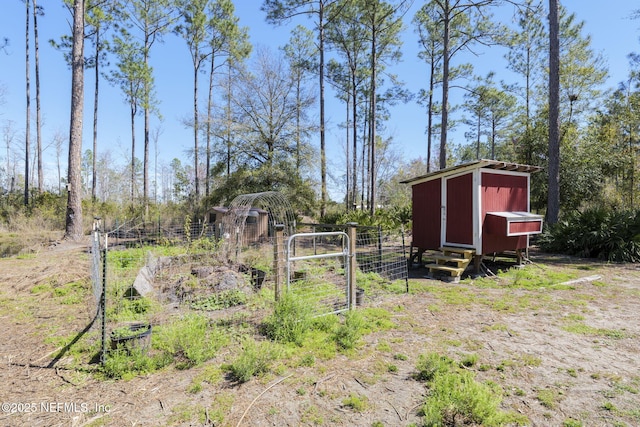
point(613, 33)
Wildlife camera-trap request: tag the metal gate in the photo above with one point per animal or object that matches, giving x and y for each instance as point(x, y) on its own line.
point(317, 266)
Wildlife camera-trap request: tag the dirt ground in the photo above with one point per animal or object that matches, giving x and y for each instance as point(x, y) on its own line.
point(564, 355)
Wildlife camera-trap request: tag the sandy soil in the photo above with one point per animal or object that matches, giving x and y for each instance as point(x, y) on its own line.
point(523, 338)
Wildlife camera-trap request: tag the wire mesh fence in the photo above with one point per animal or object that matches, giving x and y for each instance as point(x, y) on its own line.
point(378, 251)
point(142, 276)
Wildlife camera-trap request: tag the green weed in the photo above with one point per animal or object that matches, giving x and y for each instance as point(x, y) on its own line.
point(548, 398)
point(220, 300)
point(128, 363)
point(189, 340)
point(254, 359)
point(350, 331)
point(456, 398)
point(290, 320)
point(358, 403)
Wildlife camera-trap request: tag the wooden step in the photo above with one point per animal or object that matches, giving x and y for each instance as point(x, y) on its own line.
point(463, 252)
point(453, 271)
point(443, 259)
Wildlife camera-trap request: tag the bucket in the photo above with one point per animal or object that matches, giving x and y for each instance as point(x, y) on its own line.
point(257, 278)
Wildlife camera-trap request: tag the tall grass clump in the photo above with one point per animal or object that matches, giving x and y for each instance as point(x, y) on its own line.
point(596, 232)
point(456, 398)
point(255, 359)
point(190, 340)
point(348, 334)
point(290, 320)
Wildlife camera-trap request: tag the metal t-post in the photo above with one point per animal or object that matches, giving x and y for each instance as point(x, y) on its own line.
point(103, 303)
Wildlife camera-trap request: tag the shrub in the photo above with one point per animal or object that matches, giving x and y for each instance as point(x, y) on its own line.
point(349, 333)
point(290, 320)
point(431, 365)
point(255, 359)
point(190, 340)
point(596, 233)
point(456, 398)
point(358, 403)
point(127, 363)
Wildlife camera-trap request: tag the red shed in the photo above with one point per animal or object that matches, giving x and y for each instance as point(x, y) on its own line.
point(473, 209)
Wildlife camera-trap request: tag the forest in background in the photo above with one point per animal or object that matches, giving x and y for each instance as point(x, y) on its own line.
point(258, 114)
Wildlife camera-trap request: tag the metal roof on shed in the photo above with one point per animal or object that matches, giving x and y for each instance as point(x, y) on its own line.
point(483, 163)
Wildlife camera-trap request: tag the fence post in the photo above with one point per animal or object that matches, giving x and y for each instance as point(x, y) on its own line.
point(278, 260)
point(351, 273)
point(103, 303)
point(404, 256)
point(379, 266)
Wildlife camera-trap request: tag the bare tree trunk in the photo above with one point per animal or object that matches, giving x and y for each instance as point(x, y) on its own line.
point(347, 199)
point(553, 201)
point(445, 91)
point(195, 131)
point(323, 155)
point(94, 177)
point(133, 111)
point(27, 133)
point(372, 127)
point(38, 116)
point(228, 133)
point(354, 165)
point(430, 113)
point(73, 229)
point(209, 118)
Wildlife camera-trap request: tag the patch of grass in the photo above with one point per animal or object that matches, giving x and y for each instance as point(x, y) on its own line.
point(190, 340)
point(430, 365)
point(131, 309)
point(383, 346)
point(469, 360)
point(311, 415)
point(128, 363)
point(571, 422)
point(221, 406)
point(357, 403)
point(376, 319)
point(456, 398)
point(256, 358)
point(43, 287)
point(220, 300)
point(548, 398)
point(290, 320)
point(580, 328)
point(530, 360)
point(453, 295)
point(348, 334)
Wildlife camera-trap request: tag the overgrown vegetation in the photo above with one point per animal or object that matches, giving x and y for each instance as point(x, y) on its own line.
point(596, 232)
point(456, 398)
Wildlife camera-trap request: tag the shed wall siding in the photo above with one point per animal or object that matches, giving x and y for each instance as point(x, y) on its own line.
point(502, 192)
point(426, 214)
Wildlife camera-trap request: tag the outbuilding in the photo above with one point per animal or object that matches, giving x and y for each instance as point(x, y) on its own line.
point(471, 210)
point(254, 223)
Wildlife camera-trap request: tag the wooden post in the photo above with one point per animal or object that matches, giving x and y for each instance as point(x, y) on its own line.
point(351, 273)
point(477, 263)
point(279, 260)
